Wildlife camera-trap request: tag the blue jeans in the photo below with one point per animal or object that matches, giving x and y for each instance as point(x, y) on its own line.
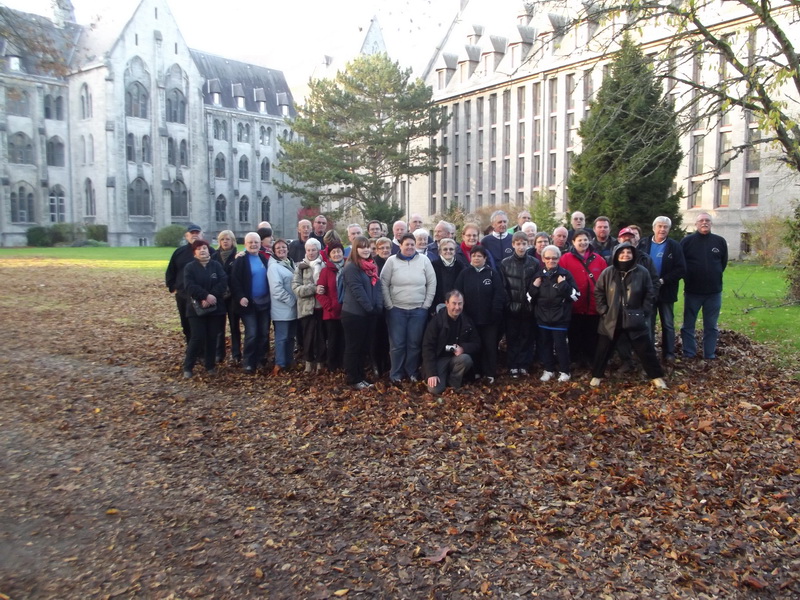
point(711, 304)
point(284, 342)
point(256, 332)
point(666, 310)
point(406, 328)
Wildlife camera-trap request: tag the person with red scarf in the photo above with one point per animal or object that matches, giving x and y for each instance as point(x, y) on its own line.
point(470, 235)
point(363, 302)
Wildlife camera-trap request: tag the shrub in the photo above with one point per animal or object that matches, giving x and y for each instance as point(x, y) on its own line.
point(39, 237)
point(97, 232)
point(170, 236)
point(66, 233)
point(767, 240)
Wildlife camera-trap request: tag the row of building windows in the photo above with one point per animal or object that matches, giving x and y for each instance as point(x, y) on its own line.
point(18, 103)
point(221, 209)
point(243, 133)
point(137, 103)
point(244, 168)
point(20, 150)
point(23, 206)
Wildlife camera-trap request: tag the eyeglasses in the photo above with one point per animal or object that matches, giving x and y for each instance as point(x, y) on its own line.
point(550, 257)
point(447, 250)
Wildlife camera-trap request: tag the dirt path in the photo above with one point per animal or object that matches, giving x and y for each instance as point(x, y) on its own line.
point(120, 480)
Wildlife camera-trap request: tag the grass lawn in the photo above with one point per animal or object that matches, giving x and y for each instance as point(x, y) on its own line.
point(754, 300)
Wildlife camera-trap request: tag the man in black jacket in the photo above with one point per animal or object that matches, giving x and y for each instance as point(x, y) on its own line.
point(449, 343)
point(173, 278)
point(706, 257)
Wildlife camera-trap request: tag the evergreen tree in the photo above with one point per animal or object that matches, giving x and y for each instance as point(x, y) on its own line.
point(631, 150)
point(359, 134)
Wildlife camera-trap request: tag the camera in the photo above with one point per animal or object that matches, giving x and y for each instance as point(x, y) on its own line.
point(450, 347)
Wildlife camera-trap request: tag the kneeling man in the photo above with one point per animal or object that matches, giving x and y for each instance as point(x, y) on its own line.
point(449, 343)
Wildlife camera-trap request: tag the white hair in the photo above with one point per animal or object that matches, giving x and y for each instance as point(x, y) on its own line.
point(313, 242)
point(529, 227)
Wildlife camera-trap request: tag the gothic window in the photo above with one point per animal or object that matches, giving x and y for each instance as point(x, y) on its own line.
point(224, 131)
point(244, 168)
point(20, 149)
point(58, 206)
point(22, 204)
point(136, 100)
point(139, 198)
point(265, 170)
point(90, 149)
point(265, 205)
point(171, 151)
point(243, 133)
point(180, 200)
point(218, 129)
point(83, 150)
point(147, 149)
point(220, 209)
point(49, 108)
point(17, 102)
point(55, 152)
point(89, 198)
point(263, 136)
point(183, 154)
point(86, 102)
point(219, 166)
point(59, 105)
point(130, 148)
point(176, 107)
point(244, 209)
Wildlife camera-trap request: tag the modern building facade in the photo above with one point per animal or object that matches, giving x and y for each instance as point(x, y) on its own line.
point(518, 77)
point(136, 131)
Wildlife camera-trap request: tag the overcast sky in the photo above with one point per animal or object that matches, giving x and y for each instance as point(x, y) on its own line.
point(292, 36)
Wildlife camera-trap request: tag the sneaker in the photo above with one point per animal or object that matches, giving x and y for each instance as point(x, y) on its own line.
point(659, 383)
point(414, 379)
point(514, 373)
point(362, 385)
point(595, 382)
point(562, 377)
point(523, 372)
point(489, 380)
point(546, 376)
point(187, 374)
point(249, 371)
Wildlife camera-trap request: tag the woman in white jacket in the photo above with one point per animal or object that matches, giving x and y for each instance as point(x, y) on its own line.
point(409, 284)
point(309, 310)
point(284, 305)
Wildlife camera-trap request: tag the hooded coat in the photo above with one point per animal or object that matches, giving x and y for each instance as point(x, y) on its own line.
point(619, 283)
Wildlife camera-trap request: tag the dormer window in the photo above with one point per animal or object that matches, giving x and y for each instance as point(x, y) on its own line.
point(14, 63)
point(261, 100)
point(216, 98)
point(238, 96)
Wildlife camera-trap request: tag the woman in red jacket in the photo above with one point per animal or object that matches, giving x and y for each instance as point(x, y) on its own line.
point(585, 266)
point(327, 295)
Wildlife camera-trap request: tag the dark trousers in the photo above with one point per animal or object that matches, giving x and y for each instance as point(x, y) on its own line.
point(520, 341)
point(358, 333)
point(256, 331)
point(202, 341)
point(236, 334)
point(181, 301)
point(334, 343)
point(313, 337)
point(582, 335)
point(642, 346)
point(451, 370)
point(554, 349)
point(486, 363)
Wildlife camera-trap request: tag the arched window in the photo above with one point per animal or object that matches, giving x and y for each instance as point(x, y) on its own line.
point(139, 198)
point(83, 150)
point(269, 136)
point(286, 134)
point(218, 130)
point(265, 208)
point(262, 136)
point(22, 204)
point(136, 101)
point(244, 168)
point(170, 151)
point(147, 149)
point(20, 149)
point(176, 107)
point(219, 166)
point(184, 154)
point(17, 102)
point(89, 198)
point(49, 107)
point(221, 209)
point(244, 209)
point(55, 152)
point(240, 133)
point(90, 149)
point(247, 133)
point(86, 102)
point(265, 169)
point(58, 205)
point(60, 108)
point(180, 200)
point(130, 148)
point(224, 130)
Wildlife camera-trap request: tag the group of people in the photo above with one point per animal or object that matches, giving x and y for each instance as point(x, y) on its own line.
point(435, 310)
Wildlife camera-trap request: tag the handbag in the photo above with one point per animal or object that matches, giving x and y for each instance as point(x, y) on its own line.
point(633, 319)
point(200, 310)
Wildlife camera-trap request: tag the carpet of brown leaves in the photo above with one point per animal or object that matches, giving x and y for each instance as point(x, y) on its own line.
point(120, 480)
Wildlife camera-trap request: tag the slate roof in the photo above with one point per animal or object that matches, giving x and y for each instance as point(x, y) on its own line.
point(225, 75)
point(51, 49)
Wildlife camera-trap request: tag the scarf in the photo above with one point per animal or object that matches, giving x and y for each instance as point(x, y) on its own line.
point(286, 262)
point(448, 263)
point(224, 254)
point(371, 269)
point(466, 250)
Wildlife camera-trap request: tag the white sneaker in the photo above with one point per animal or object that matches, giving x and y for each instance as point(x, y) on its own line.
point(562, 377)
point(659, 383)
point(595, 382)
point(547, 376)
point(523, 372)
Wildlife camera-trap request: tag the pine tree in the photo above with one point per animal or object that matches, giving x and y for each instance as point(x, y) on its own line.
point(631, 150)
point(359, 134)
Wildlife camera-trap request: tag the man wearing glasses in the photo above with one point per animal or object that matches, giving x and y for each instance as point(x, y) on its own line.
point(706, 256)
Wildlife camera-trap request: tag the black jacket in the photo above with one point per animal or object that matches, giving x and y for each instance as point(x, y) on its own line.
point(518, 274)
point(706, 258)
point(443, 331)
point(201, 281)
point(241, 284)
point(552, 300)
point(634, 286)
point(445, 280)
point(361, 298)
point(182, 256)
point(673, 268)
point(484, 295)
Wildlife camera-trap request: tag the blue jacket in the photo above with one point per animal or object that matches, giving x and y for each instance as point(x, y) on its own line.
point(361, 298)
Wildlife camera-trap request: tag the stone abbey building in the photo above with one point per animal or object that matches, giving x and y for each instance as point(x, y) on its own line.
point(121, 124)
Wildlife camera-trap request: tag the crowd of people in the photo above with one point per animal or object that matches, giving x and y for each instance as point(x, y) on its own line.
point(413, 308)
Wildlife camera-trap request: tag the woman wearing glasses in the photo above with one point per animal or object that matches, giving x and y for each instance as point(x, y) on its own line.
point(447, 269)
